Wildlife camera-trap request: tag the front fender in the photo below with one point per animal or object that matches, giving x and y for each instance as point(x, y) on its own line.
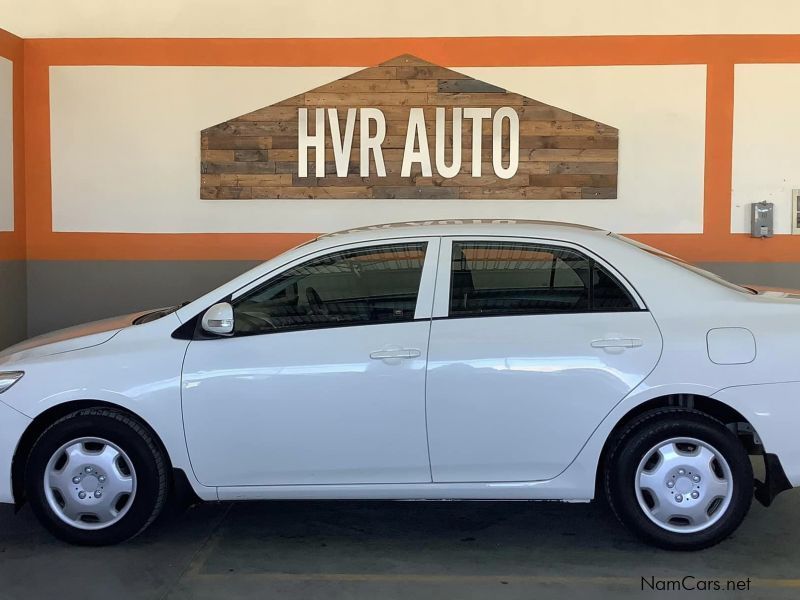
point(139, 370)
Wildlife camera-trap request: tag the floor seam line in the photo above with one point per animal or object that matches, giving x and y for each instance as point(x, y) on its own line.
point(202, 550)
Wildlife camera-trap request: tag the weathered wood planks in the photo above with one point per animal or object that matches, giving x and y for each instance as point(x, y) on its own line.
point(562, 155)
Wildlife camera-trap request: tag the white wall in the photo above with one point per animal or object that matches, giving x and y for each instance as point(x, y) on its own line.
point(6, 145)
point(125, 149)
point(371, 18)
point(766, 142)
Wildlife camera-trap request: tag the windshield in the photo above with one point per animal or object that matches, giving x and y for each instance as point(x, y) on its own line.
point(696, 270)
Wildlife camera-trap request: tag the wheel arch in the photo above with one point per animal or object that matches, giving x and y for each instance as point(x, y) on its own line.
point(732, 418)
point(49, 416)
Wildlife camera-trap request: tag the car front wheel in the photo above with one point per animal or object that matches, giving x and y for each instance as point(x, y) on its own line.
point(96, 477)
point(679, 479)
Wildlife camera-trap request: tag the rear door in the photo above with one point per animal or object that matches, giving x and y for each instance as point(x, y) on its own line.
point(532, 344)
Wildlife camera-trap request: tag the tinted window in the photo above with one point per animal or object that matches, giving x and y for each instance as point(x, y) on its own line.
point(353, 287)
point(607, 293)
point(506, 278)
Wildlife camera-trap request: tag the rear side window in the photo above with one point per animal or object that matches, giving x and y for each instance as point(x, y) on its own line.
point(511, 278)
point(364, 286)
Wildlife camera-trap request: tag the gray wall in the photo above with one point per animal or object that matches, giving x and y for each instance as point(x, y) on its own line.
point(785, 275)
point(63, 293)
point(13, 302)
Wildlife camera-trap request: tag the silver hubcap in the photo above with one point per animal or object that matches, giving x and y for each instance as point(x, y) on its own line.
point(684, 485)
point(90, 483)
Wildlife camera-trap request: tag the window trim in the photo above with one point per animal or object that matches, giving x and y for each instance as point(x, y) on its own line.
point(441, 305)
point(422, 310)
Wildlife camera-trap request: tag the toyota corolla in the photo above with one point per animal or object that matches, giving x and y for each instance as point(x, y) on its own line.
point(457, 360)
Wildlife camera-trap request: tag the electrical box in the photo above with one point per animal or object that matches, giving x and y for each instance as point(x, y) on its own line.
point(795, 213)
point(761, 219)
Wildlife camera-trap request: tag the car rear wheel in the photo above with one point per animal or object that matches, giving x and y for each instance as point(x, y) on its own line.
point(96, 477)
point(679, 479)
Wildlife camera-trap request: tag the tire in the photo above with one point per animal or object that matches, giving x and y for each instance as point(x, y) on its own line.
point(657, 468)
point(106, 477)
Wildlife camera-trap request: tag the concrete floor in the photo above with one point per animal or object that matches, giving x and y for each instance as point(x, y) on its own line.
point(383, 550)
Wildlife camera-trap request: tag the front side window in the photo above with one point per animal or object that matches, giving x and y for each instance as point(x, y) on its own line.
point(508, 278)
point(364, 286)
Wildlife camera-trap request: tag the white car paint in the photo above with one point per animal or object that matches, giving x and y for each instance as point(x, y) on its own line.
point(65, 340)
point(309, 414)
point(482, 426)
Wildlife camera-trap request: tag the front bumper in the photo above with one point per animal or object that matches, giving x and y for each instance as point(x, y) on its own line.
point(12, 425)
point(774, 412)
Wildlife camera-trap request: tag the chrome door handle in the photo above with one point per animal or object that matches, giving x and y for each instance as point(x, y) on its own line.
point(395, 353)
point(618, 343)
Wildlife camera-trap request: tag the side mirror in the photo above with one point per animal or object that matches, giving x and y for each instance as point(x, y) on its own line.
point(219, 319)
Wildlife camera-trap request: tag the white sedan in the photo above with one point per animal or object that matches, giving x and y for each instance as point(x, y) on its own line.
point(446, 360)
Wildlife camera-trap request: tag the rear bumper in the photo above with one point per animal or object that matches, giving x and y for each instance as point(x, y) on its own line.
point(12, 425)
point(774, 412)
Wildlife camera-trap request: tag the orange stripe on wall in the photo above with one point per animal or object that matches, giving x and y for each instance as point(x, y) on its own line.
point(456, 51)
point(164, 246)
point(719, 52)
point(38, 193)
point(12, 244)
point(736, 247)
point(262, 246)
point(719, 152)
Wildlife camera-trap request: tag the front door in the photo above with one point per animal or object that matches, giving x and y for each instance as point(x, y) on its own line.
point(323, 381)
point(536, 344)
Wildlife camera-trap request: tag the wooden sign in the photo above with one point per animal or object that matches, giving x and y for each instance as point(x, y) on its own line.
point(409, 129)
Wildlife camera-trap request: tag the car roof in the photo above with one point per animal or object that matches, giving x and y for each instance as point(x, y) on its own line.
point(511, 227)
point(408, 229)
